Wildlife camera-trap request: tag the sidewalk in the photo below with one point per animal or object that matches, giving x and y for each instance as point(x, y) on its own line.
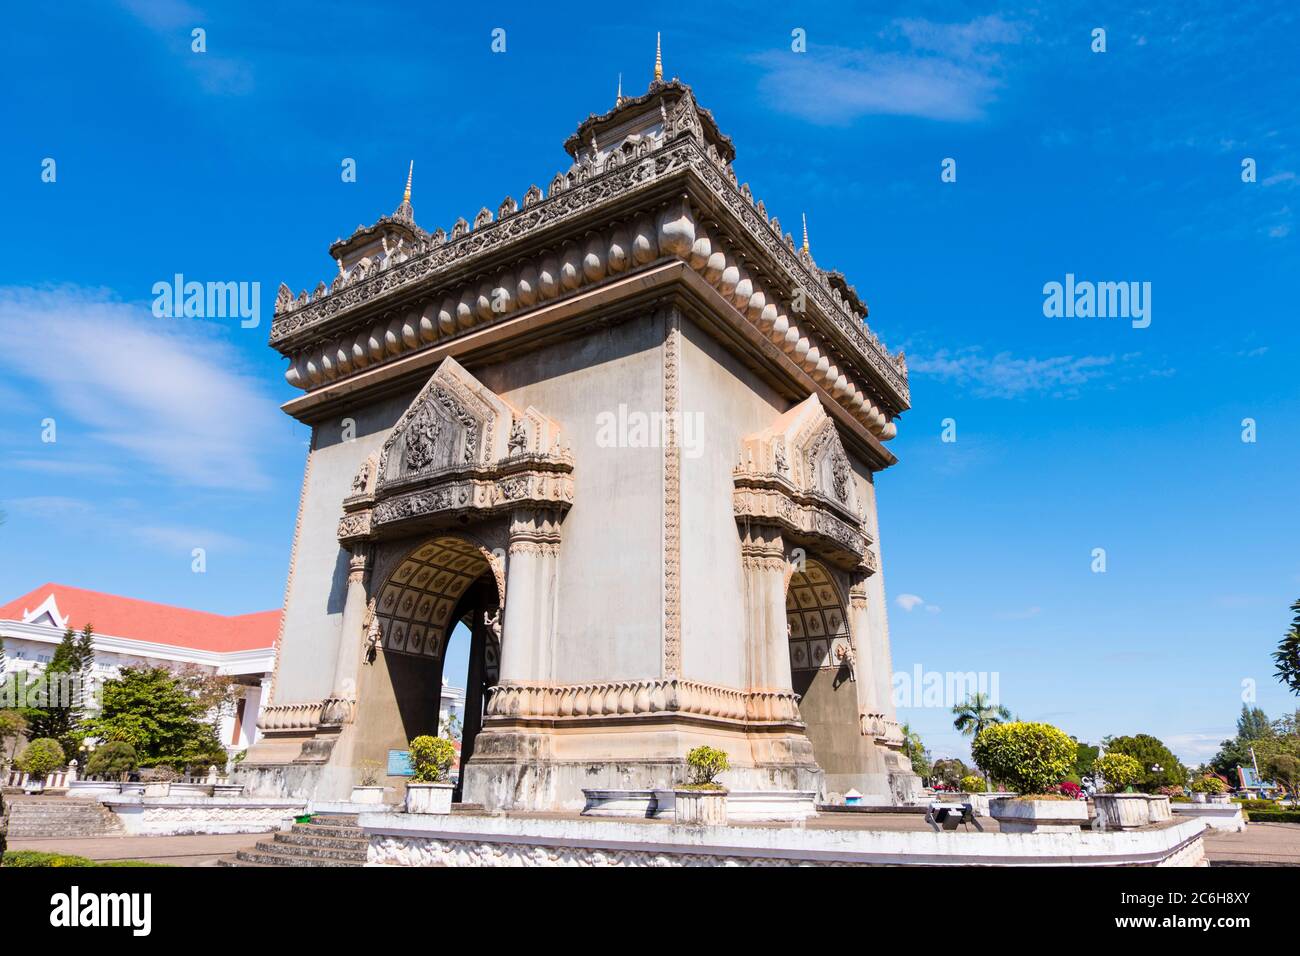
point(200, 850)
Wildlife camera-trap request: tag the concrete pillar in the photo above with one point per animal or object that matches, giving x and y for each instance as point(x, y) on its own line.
point(867, 666)
point(339, 708)
point(767, 645)
point(532, 571)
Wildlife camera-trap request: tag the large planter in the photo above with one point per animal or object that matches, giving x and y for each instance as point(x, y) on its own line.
point(133, 788)
point(227, 789)
point(700, 808)
point(158, 789)
point(619, 803)
point(1123, 811)
point(1038, 816)
point(1159, 808)
point(754, 806)
point(1199, 797)
point(370, 796)
point(1219, 798)
point(92, 789)
point(34, 786)
point(428, 797)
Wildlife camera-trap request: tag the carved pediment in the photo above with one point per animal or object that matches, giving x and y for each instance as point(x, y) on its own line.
point(459, 448)
point(796, 474)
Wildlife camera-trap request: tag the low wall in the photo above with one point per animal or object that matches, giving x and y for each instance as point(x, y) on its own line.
point(1220, 816)
point(174, 816)
point(398, 839)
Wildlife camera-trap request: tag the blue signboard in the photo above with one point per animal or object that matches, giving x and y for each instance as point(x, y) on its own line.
point(399, 763)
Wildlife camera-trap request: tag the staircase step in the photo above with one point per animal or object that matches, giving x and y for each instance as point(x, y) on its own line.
point(259, 857)
point(316, 829)
point(310, 852)
point(322, 842)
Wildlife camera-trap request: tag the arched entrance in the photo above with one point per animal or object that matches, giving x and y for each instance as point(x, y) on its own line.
point(443, 581)
point(821, 668)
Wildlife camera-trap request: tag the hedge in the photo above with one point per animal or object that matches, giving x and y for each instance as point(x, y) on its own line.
point(1273, 816)
point(21, 858)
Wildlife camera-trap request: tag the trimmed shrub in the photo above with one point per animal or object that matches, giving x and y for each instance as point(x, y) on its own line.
point(1209, 784)
point(431, 759)
point(42, 757)
point(973, 784)
point(30, 858)
point(1118, 770)
point(1030, 757)
point(704, 764)
point(1273, 816)
point(113, 759)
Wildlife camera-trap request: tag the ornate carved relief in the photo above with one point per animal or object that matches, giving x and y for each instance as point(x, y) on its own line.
point(672, 569)
point(646, 698)
point(811, 494)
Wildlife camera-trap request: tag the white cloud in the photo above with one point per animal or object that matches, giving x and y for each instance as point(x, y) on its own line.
point(1006, 376)
point(908, 601)
point(1197, 748)
point(168, 395)
point(123, 519)
point(941, 71)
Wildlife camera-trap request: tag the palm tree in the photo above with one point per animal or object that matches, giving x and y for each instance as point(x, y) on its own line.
point(976, 714)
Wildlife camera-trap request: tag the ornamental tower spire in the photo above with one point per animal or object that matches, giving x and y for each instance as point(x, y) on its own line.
point(805, 231)
point(659, 62)
point(406, 196)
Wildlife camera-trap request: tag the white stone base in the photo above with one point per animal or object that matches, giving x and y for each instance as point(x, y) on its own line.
point(400, 839)
point(630, 804)
point(1219, 816)
point(92, 790)
point(1122, 811)
point(368, 796)
point(759, 805)
point(175, 816)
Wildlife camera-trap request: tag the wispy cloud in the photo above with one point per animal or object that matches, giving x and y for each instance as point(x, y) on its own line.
point(168, 395)
point(910, 602)
point(939, 71)
point(173, 22)
point(1006, 376)
point(123, 519)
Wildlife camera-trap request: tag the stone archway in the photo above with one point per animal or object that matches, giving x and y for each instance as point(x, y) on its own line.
point(445, 580)
point(822, 669)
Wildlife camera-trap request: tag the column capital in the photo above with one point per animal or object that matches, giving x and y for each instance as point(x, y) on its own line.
point(535, 531)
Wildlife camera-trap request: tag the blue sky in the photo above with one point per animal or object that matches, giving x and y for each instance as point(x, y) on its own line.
point(1072, 434)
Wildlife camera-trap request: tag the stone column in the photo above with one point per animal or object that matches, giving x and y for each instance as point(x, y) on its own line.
point(340, 705)
point(867, 665)
point(767, 645)
point(532, 573)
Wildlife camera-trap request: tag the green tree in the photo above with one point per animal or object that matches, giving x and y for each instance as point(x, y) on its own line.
point(1284, 769)
point(1160, 768)
point(949, 771)
point(1287, 655)
point(977, 713)
point(1085, 756)
point(153, 711)
point(915, 750)
point(58, 712)
point(1253, 724)
point(41, 758)
point(12, 727)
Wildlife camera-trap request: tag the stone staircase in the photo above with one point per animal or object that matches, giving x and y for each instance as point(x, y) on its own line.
point(59, 818)
point(332, 839)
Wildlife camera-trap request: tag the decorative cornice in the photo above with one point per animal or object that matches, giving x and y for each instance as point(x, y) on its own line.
point(419, 274)
point(633, 699)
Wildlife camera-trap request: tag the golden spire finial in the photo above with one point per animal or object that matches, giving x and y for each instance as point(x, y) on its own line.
point(406, 196)
point(618, 98)
point(659, 62)
point(805, 232)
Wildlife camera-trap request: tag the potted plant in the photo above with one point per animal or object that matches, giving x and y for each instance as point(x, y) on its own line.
point(1209, 789)
point(368, 789)
point(702, 801)
point(1032, 758)
point(1117, 808)
point(42, 757)
point(158, 780)
point(973, 784)
point(428, 790)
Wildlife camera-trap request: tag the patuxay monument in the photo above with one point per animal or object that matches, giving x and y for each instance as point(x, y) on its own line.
point(627, 431)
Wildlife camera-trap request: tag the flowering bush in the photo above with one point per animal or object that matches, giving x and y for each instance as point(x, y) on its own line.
point(1118, 770)
point(973, 784)
point(1209, 785)
point(1030, 757)
point(431, 758)
point(1071, 789)
point(705, 763)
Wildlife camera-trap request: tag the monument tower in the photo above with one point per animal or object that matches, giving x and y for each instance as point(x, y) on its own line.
point(627, 431)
